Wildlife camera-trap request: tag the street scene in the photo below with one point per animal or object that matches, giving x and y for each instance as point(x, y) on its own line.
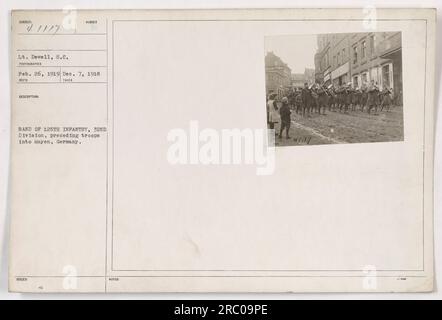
point(334, 88)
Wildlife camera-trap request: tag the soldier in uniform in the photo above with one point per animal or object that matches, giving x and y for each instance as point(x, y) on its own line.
point(373, 97)
point(322, 98)
point(356, 98)
point(386, 99)
point(306, 98)
point(349, 97)
point(353, 100)
point(378, 98)
point(342, 98)
point(298, 101)
point(364, 96)
point(333, 98)
point(315, 98)
point(339, 98)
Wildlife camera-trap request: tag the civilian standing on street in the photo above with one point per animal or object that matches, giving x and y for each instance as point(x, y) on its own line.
point(272, 111)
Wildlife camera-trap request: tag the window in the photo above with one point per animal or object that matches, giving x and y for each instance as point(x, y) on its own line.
point(355, 82)
point(372, 44)
point(364, 48)
point(339, 58)
point(364, 78)
point(355, 54)
point(386, 78)
point(343, 55)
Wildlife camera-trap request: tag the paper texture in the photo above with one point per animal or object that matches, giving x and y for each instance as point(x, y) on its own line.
point(143, 156)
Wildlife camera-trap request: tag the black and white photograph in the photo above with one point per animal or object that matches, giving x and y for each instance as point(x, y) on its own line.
point(334, 88)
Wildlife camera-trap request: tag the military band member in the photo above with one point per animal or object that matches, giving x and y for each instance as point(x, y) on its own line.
point(364, 96)
point(334, 97)
point(341, 97)
point(386, 99)
point(348, 97)
point(373, 97)
point(322, 98)
point(315, 98)
point(357, 94)
point(291, 98)
point(298, 102)
point(306, 98)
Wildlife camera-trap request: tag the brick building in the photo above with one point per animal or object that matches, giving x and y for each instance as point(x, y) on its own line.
point(359, 58)
point(278, 75)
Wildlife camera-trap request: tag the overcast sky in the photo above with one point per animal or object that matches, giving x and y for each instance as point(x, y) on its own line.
point(298, 51)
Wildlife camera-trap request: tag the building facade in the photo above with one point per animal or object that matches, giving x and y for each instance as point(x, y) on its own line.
point(359, 58)
point(309, 75)
point(278, 75)
point(298, 79)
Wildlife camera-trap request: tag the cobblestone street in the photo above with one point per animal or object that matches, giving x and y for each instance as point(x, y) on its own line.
point(340, 127)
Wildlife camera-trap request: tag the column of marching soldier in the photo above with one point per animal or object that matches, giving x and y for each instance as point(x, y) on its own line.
point(317, 98)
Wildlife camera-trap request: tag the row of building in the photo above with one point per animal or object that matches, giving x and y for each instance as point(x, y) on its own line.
point(298, 79)
point(359, 58)
point(279, 76)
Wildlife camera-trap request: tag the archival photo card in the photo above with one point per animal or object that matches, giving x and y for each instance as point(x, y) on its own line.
point(142, 155)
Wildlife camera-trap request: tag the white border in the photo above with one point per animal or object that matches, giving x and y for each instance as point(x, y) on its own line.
point(7, 5)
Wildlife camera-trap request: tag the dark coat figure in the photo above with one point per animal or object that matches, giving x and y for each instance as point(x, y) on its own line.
point(306, 98)
point(373, 98)
point(386, 100)
point(292, 100)
point(339, 96)
point(357, 94)
point(397, 99)
point(364, 98)
point(333, 99)
point(298, 102)
point(343, 99)
point(349, 97)
point(322, 99)
point(314, 100)
point(285, 113)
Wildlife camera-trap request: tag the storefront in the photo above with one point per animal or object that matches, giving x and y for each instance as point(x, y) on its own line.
point(395, 72)
point(340, 75)
point(387, 76)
